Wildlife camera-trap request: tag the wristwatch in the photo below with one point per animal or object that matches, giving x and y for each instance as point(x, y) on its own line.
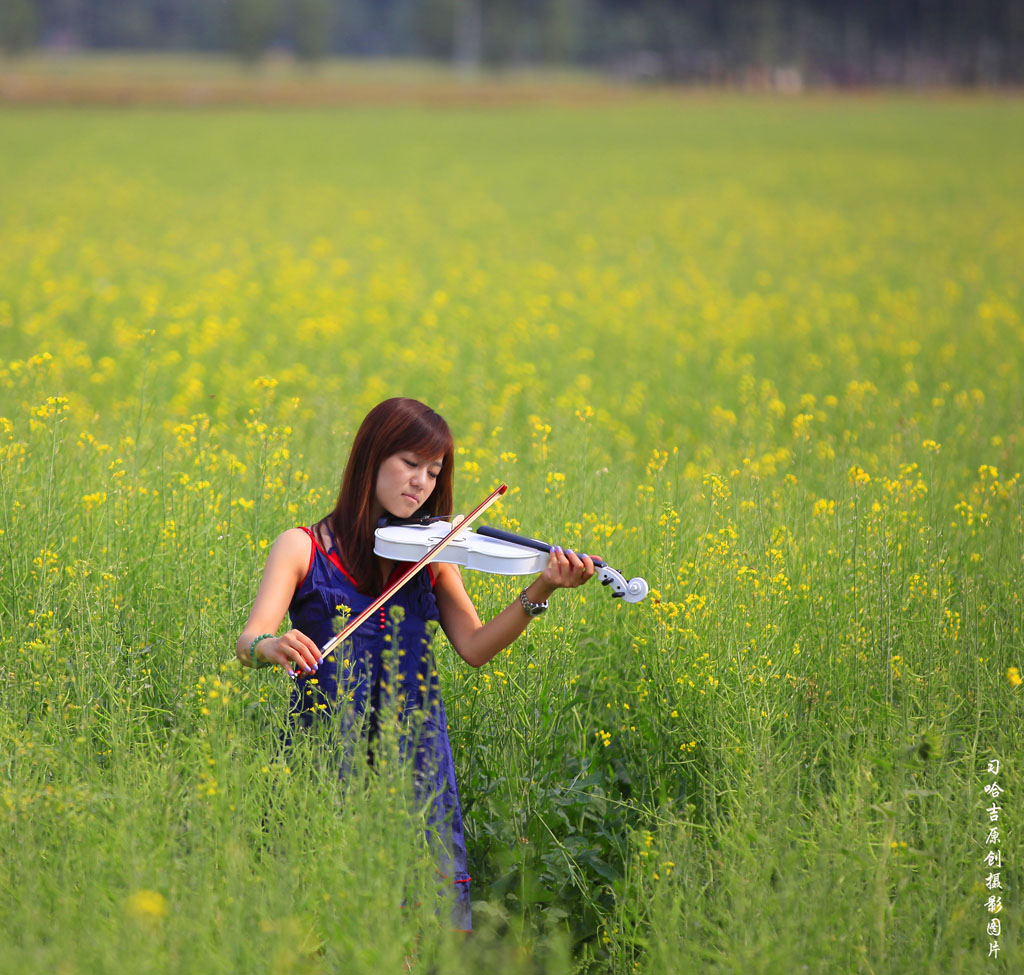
point(532, 609)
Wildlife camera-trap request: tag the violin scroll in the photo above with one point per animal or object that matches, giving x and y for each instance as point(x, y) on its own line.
point(632, 590)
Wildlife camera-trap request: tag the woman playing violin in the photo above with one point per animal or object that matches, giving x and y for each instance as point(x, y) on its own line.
point(400, 465)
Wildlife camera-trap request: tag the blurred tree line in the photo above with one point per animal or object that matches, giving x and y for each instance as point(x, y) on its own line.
point(772, 42)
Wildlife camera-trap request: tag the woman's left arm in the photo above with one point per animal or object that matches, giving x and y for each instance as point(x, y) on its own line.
point(478, 642)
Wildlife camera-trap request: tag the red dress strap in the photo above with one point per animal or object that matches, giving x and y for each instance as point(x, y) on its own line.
point(331, 556)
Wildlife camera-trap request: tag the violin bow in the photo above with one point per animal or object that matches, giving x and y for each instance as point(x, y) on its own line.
point(355, 623)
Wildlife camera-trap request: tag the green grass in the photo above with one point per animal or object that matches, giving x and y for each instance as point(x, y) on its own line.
point(765, 354)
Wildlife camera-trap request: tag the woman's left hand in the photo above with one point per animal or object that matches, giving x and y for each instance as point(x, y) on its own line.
point(566, 569)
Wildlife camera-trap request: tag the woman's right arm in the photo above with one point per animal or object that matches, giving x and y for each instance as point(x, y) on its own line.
point(287, 564)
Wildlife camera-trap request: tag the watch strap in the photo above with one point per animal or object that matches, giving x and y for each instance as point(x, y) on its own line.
point(532, 609)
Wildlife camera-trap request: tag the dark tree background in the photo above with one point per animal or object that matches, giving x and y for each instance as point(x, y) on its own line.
point(961, 42)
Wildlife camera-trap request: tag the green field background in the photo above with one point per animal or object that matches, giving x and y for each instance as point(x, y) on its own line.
point(765, 353)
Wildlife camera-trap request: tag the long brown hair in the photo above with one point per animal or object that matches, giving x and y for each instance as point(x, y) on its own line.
point(390, 427)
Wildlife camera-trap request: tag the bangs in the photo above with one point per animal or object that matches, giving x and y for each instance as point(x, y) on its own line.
point(428, 435)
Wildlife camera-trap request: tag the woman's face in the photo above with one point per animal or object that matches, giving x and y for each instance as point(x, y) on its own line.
point(404, 482)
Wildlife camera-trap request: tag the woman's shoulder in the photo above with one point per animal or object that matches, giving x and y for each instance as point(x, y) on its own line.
point(295, 538)
point(294, 547)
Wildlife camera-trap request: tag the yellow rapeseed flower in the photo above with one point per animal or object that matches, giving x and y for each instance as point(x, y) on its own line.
point(1013, 676)
point(146, 905)
point(824, 506)
point(859, 476)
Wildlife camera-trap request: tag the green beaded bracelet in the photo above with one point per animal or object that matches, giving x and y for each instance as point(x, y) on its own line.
point(252, 650)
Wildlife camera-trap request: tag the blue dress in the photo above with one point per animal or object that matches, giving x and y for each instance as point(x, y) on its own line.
point(370, 677)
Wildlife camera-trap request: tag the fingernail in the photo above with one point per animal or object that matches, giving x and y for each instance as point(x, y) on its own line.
point(558, 548)
point(569, 551)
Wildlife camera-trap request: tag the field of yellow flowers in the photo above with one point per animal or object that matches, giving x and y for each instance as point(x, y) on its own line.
point(766, 354)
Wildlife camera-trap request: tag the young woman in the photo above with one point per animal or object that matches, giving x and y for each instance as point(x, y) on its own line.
point(400, 465)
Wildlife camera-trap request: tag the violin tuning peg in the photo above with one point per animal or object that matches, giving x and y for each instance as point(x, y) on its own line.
point(618, 594)
point(606, 582)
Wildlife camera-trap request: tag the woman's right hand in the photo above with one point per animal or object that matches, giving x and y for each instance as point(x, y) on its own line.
point(293, 650)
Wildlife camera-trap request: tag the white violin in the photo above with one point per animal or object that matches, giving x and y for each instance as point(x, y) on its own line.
point(487, 550)
point(430, 541)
